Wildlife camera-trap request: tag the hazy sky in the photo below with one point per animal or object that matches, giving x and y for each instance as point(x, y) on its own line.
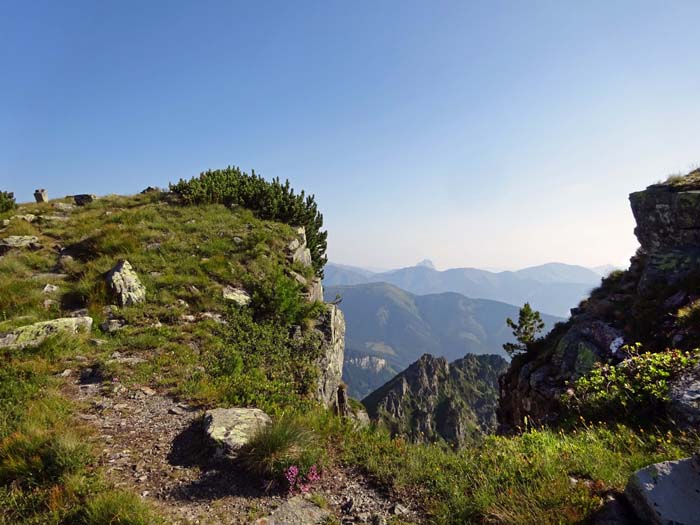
point(488, 134)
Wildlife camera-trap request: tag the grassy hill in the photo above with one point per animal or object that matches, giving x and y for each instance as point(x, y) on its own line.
point(187, 348)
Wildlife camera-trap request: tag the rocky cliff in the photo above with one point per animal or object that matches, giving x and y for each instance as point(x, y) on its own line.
point(653, 302)
point(433, 399)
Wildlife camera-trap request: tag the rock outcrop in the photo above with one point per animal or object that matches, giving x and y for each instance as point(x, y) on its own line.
point(666, 493)
point(433, 400)
point(34, 334)
point(298, 250)
point(83, 199)
point(331, 327)
point(641, 304)
point(684, 399)
point(232, 428)
point(125, 284)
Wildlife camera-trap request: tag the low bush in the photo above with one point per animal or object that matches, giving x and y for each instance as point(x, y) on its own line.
point(634, 390)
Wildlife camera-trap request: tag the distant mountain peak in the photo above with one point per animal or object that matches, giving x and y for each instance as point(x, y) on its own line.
point(426, 263)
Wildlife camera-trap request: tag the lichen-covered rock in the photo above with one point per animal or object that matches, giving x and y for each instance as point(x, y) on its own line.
point(236, 295)
point(666, 493)
point(298, 250)
point(18, 241)
point(684, 399)
point(296, 511)
point(34, 334)
point(125, 284)
point(331, 325)
point(232, 428)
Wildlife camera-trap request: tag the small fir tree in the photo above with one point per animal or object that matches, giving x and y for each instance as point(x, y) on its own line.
point(525, 330)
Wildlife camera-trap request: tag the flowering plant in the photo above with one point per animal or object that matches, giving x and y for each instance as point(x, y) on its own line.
point(301, 483)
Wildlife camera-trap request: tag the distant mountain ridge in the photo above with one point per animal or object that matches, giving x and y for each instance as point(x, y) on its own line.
point(389, 323)
point(552, 288)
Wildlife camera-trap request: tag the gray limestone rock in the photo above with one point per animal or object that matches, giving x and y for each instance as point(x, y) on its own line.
point(236, 295)
point(296, 511)
point(667, 493)
point(125, 284)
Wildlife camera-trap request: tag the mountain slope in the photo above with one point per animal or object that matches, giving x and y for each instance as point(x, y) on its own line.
point(387, 322)
point(433, 400)
point(551, 288)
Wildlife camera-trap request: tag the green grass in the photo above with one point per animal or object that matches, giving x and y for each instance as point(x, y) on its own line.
point(517, 480)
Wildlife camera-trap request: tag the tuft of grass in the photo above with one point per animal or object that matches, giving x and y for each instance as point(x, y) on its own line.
point(278, 446)
point(37, 457)
point(118, 508)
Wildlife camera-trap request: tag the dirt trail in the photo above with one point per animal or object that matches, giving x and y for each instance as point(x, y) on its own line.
point(149, 443)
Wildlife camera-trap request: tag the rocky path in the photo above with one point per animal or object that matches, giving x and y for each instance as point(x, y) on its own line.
point(151, 444)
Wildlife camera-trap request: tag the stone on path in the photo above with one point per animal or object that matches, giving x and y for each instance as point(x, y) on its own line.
point(232, 428)
point(18, 241)
point(296, 511)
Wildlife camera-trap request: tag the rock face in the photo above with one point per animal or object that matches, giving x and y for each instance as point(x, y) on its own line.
point(331, 326)
point(666, 493)
point(684, 399)
point(640, 304)
point(296, 511)
point(125, 284)
point(232, 428)
point(433, 400)
point(298, 250)
point(36, 333)
point(41, 195)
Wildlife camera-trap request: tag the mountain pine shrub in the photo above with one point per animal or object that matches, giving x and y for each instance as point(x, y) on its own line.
point(270, 200)
point(7, 201)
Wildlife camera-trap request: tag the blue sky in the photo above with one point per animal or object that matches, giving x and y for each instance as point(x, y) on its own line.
point(488, 134)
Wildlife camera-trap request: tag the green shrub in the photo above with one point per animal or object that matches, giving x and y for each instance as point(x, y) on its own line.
point(269, 200)
point(261, 364)
point(7, 201)
point(279, 298)
point(284, 444)
point(635, 389)
point(117, 508)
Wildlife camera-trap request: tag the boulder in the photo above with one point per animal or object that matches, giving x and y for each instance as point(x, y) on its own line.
point(331, 326)
point(41, 195)
point(83, 199)
point(29, 217)
point(684, 399)
point(232, 428)
point(237, 295)
point(666, 493)
point(297, 511)
point(125, 284)
point(34, 334)
point(18, 241)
